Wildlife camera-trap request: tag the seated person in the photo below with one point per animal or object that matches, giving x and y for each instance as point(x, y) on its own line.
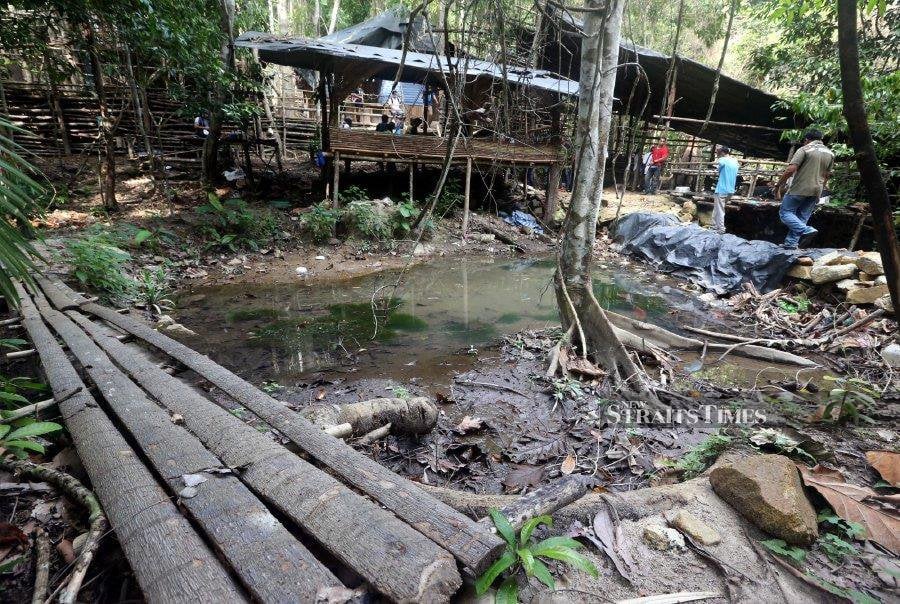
point(201, 124)
point(385, 125)
point(415, 126)
point(399, 126)
point(346, 124)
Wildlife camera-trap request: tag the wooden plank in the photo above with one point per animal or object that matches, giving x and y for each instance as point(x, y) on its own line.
point(396, 559)
point(267, 558)
point(469, 542)
point(170, 560)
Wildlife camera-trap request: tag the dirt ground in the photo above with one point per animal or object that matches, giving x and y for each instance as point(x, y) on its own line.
point(504, 426)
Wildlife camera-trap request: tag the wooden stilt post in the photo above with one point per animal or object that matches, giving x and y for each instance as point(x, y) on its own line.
point(465, 222)
point(337, 179)
point(412, 168)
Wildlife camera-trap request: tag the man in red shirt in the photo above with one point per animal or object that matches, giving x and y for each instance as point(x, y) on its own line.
point(658, 155)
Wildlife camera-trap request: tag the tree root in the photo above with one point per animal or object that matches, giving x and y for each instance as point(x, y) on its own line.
point(41, 566)
point(74, 489)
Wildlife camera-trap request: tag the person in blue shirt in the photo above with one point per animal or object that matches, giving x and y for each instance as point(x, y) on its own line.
point(728, 170)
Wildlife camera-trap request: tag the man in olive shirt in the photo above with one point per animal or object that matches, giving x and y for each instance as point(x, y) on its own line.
point(810, 166)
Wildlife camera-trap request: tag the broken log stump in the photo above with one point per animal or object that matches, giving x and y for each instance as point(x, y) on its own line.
point(416, 415)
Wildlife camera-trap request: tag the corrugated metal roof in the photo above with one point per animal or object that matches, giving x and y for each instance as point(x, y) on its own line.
point(418, 68)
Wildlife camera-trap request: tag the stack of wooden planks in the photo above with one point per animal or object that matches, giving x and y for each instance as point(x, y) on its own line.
point(208, 508)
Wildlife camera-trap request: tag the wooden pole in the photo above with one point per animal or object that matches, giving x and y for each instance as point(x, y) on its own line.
point(337, 178)
point(412, 169)
point(465, 222)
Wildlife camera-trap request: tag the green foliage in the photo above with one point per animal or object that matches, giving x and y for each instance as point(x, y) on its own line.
point(522, 552)
point(698, 458)
point(836, 548)
point(837, 535)
point(780, 547)
point(364, 219)
point(850, 398)
point(351, 194)
point(153, 239)
point(100, 266)
point(451, 198)
point(403, 218)
point(851, 595)
point(231, 225)
point(153, 289)
point(567, 387)
point(17, 205)
point(320, 221)
point(20, 440)
point(800, 304)
point(834, 523)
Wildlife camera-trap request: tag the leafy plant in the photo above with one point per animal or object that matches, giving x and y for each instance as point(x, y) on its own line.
point(451, 197)
point(523, 553)
point(152, 239)
point(352, 194)
point(320, 221)
point(20, 441)
point(698, 458)
point(403, 218)
point(100, 266)
point(780, 547)
point(230, 224)
point(796, 305)
point(564, 388)
point(835, 540)
point(781, 442)
point(850, 398)
point(363, 218)
point(17, 204)
point(153, 289)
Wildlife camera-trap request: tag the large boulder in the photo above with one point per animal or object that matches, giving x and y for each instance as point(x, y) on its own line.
point(766, 490)
point(829, 273)
point(800, 271)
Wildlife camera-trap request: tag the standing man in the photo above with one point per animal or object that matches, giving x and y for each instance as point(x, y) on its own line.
point(728, 170)
point(810, 167)
point(658, 155)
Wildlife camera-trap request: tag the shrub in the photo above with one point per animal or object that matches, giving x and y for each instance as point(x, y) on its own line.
point(363, 218)
point(451, 197)
point(153, 289)
point(100, 266)
point(351, 194)
point(320, 221)
point(403, 218)
point(230, 224)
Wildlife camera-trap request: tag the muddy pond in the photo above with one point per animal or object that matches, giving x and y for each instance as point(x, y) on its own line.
point(446, 315)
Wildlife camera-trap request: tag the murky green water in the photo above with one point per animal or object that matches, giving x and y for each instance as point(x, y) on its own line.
point(441, 319)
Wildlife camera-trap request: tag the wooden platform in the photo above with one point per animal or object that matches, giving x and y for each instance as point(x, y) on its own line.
point(209, 509)
point(424, 148)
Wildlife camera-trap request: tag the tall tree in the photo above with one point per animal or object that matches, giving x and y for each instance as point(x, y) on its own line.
point(579, 308)
point(861, 138)
point(107, 129)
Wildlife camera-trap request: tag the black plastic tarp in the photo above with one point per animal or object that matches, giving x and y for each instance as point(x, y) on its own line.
point(720, 263)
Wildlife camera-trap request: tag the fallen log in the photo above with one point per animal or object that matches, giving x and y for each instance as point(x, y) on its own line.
point(543, 500)
point(171, 562)
point(239, 525)
point(637, 334)
point(355, 530)
point(416, 415)
point(462, 537)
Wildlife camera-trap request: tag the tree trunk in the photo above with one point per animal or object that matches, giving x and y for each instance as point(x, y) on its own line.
point(866, 160)
point(335, 9)
point(211, 144)
point(574, 290)
point(108, 167)
point(139, 110)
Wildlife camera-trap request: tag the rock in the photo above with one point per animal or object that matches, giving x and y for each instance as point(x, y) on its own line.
point(827, 259)
point(301, 270)
point(235, 262)
point(707, 297)
point(799, 271)
point(848, 284)
point(866, 277)
point(881, 280)
point(704, 218)
point(866, 295)
point(766, 490)
point(891, 354)
point(804, 261)
point(830, 273)
point(179, 330)
point(886, 303)
point(685, 217)
point(693, 527)
point(663, 538)
point(870, 262)
point(486, 237)
point(690, 208)
point(164, 321)
point(423, 249)
point(320, 257)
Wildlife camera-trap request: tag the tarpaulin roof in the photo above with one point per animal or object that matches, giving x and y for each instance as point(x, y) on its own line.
point(375, 62)
point(385, 30)
point(737, 103)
